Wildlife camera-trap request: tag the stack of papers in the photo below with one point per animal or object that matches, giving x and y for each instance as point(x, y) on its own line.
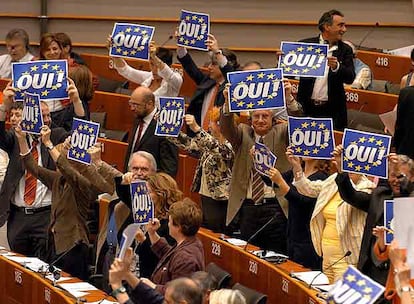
point(311, 277)
point(78, 289)
point(236, 242)
point(31, 263)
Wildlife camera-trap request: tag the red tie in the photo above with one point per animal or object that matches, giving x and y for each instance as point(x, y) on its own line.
point(140, 128)
point(30, 180)
point(257, 184)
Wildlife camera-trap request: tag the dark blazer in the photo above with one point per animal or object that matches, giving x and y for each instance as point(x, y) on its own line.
point(164, 152)
point(404, 128)
point(15, 170)
point(373, 204)
point(336, 80)
point(204, 84)
point(178, 261)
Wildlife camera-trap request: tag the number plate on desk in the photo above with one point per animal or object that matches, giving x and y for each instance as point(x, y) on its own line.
point(351, 96)
point(47, 295)
point(18, 277)
point(216, 249)
point(285, 285)
point(253, 267)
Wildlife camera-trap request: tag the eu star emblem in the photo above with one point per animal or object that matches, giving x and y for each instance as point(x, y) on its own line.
point(142, 205)
point(311, 137)
point(131, 40)
point(82, 139)
point(32, 119)
point(193, 30)
point(303, 59)
point(46, 78)
point(354, 287)
point(264, 159)
point(170, 116)
point(365, 153)
point(256, 90)
point(388, 221)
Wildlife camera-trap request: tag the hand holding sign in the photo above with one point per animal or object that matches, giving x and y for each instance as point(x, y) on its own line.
point(8, 95)
point(142, 205)
point(32, 118)
point(170, 117)
point(264, 159)
point(85, 134)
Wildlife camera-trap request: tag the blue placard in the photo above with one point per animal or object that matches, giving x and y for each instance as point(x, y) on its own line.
point(131, 40)
point(303, 59)
point(46, 78)
point(389, 221)
point(171, 115)
point(142, 205)
point(264, 159)
point(256, 90)
point(365, 153)
point(193, 30)
point(354, 287)
point(84, 135)
point(32, 119)
point(311, 137)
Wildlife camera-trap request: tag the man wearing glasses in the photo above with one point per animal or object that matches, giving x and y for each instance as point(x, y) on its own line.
point(142, 104)
point(17, 43)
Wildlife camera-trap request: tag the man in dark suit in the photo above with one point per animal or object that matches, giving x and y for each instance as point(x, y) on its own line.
point(142, 103)
point(210, 86)
point(404, 135)
point(27, 222)
point(325, 96)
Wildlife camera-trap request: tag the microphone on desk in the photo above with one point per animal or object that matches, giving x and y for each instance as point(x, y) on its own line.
point(52, 269)
point(347, 254)
point(165, 42)
point(260, 230)
point(359, 45)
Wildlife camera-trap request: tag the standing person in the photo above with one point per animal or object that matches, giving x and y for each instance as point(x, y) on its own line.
point(161, 80)
point(72, 192)
point(299, 241)
point(408, 80)
point(67, 51)
point(325, 96)
point(404, 132)
point(17, 44)
point(213, 173)
point(142, 104)
point(27, 215)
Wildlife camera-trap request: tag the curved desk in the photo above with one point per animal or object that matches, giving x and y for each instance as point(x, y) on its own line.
point(19, 285)
point(251, 271)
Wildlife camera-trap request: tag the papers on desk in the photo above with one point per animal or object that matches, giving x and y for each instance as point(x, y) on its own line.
point(61, 279)
point(314, 277)
point(78, 289)
point(268, 254)
point(236, 242)
point(103, 302)
point(31, 263)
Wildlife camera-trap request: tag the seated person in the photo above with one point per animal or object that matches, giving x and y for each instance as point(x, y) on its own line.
point(67, 51)
point(363, 73)
point(408, 80)
point(187, 256)
point(17, 44)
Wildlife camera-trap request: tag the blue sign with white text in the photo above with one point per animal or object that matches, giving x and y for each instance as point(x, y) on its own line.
point(142, 205)
point(170, 116)
point(84, 135)
point(389, 221)
point(32, 119)
point(193, 30)
point(46, 78)
point(264, 159)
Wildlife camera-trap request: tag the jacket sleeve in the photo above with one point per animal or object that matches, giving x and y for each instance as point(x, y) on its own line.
point(169, 158)
point(136, 76)
point(206, 142)
point(191, 69)
point(45, 175)
point(174, 79)
point(7, 138)
point(185, 142)
point(346, 70)
point(230, 131)
point(358, 199)
point(142, 293)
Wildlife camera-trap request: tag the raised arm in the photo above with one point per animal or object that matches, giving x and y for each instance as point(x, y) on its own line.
point(74, 98)
point(7, 139)
point(227, 126)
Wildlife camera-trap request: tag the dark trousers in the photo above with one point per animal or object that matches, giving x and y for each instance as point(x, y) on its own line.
point(108, 259)
point(253, 217)
point(27, 233)
point(73, 261)
point(303, 253)
point(214, 213)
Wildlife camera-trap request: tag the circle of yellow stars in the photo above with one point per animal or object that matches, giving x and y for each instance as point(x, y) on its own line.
point(295, 70)
point(314, 125)
point(165, 128)
point(136, 31)
point(261, 102)
point(262, 167)
point(84, 129)
point(26, 124)
point(190, 41)
point(142, 190)
point(350, 165)
point(362, 284)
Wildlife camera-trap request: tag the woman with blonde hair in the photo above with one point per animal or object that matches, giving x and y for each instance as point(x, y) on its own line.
point(164, 192)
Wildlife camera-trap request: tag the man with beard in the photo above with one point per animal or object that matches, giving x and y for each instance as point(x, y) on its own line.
point(142, 104)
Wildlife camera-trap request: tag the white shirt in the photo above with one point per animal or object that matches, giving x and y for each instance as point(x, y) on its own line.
point(170, 84)
point(147, 120)
point(320, 88)
point(6, 64)
point(43, 194)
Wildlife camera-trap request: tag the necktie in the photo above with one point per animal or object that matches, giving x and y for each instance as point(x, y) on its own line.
point(206, 120)
point(140, 128)
point(30, 180)
point(257, 184)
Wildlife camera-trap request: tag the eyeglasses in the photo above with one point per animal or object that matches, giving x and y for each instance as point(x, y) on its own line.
point(136, 105)
point(143, 169)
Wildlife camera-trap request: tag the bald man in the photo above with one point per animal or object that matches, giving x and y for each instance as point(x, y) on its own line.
point(142, 104)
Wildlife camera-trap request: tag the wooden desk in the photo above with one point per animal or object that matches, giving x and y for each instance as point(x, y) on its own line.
point(249, 270)
point(19, 285)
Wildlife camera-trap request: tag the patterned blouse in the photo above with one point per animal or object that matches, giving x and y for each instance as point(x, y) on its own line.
point(215, 162)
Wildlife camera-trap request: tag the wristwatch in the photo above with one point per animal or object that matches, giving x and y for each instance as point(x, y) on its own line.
point(406, 289)
point(50, 147)
point(118, 291)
